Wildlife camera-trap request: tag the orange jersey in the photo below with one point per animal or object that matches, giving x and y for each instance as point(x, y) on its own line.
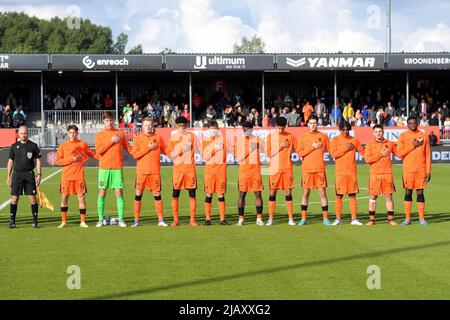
point(312, 159)
point(345, 159)
point(248, 160)
point(214, 152)
point(148, 161)
point(415, 159)
point(110, 154)
point(183, 161)
point(280, 156)
point(72, 170)
point(373, 156)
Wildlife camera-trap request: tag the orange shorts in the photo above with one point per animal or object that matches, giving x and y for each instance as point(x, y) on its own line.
point(184, 180)
point(72, 187)
point(346, 184)
point(281, 181)
point(381, 184)
point(414, 180)
point(151, 182)
point(250, 183)
point(215, 183)
point(311, 180)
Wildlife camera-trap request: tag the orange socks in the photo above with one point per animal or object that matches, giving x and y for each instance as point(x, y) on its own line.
point(290, 209)
point(339, 208)
point(64, 217)
point(271, 209)
point(208, 207)
point(159, 209)
point(421, 208)
point(175, 208)
point(192, 207)
point(353, 207)
point(137, 209)
point(408, 206)
point(222, 208)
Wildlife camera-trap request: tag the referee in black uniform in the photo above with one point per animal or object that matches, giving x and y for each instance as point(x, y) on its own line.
point(24, 156)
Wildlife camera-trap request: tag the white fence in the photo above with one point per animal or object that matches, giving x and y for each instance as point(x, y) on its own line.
point(82, 118)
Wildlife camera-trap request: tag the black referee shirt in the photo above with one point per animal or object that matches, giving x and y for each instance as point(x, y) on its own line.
point(24, 155)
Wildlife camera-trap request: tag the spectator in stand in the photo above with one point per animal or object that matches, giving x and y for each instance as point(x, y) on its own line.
point(423, 108)
point(138, 115)
point(239, 120)
point(413, 102)
point(210, 113)
point(165, 116)
point(186, 113)
point(320, 109)
point(365, 115)
point(287, 101)
point(7, 119)
point(381, 116)
point(97, 101)
point(390, 110)
point(70, 101)
point(284, 113)
point(266, 119)
point(307, 111)
point(432, 138)
point(424, 121)
point(336, 116)
point(348, 113)
point(413, 112)
point(19, 117)
point(434, 120)
point(445, 112)
point(176, 112)
point(358, 119)
point(127, 114)
point(273, 116)
point(58, 102)
point(293, 118)
point(447, 124)
point(108, 102)
point(229, 116)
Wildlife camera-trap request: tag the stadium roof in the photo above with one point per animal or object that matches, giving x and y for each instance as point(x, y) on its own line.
point(227, 61)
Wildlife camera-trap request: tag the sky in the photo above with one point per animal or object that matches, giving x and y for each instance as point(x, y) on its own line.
point(213, 26)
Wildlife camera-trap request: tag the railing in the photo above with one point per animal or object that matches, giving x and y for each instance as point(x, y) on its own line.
point(445, 135)
point(82, 118)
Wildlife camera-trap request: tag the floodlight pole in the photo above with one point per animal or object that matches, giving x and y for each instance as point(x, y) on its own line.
point(190, 99)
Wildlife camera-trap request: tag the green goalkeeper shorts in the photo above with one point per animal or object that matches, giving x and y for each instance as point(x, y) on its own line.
point(110, 179)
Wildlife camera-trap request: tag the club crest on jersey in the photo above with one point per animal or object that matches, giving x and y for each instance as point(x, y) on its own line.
point(29, 155)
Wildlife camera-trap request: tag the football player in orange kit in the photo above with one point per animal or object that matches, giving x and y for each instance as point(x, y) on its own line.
point(109, 144)
point(214, 152)
point(414, 149)
point(343, 148)
point(181, 150)
point(247, 153)
point(71, 155)
point(147, 147)
point(311, 147)
point(381, 181)
point(279, 149)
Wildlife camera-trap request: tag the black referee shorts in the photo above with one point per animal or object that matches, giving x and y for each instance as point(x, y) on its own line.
point(23, 183)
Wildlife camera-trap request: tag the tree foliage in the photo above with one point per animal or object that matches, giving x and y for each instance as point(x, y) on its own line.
point(254, 45)
point(20, 33)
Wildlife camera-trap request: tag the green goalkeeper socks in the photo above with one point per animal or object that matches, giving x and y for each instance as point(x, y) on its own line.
point(120, 207)
point(100, 207)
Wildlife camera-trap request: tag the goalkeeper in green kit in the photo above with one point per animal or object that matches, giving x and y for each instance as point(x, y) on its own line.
point(108, 145)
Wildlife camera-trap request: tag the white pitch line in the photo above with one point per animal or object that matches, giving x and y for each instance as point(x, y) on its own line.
point(7, 202)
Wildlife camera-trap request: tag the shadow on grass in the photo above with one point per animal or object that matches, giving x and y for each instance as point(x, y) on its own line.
point(291, 267)
point(250, 218)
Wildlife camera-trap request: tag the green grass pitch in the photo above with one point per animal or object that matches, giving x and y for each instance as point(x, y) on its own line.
point(227, 262)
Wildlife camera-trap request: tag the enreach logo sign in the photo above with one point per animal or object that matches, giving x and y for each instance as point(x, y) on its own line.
point(202, 62)
point(89, 63)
